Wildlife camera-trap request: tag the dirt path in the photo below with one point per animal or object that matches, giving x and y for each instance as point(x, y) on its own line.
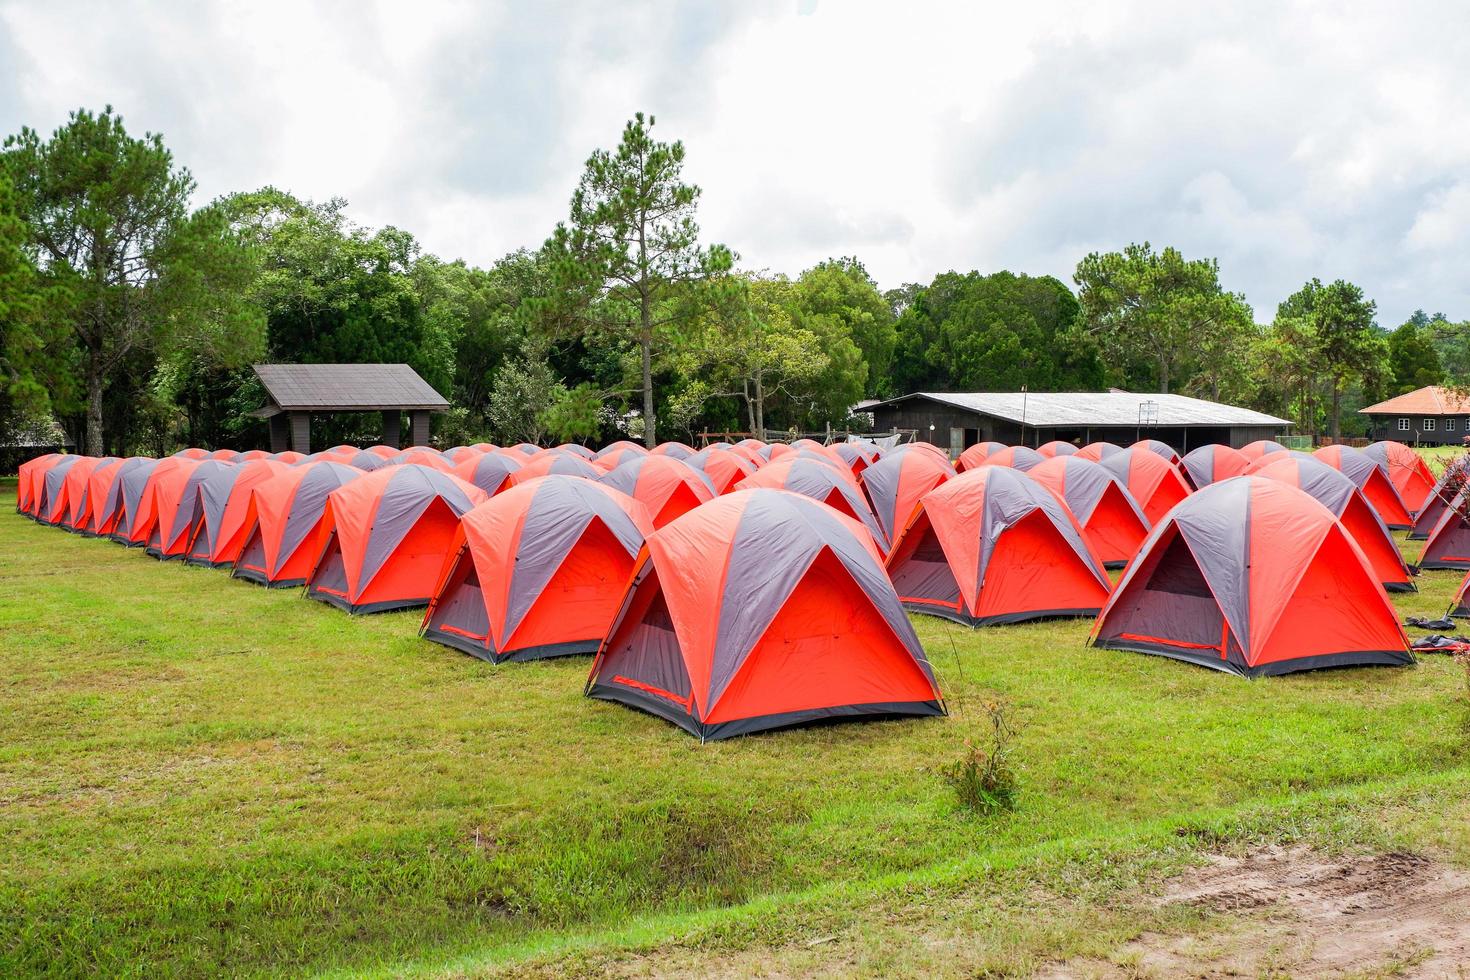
point(1305, 914)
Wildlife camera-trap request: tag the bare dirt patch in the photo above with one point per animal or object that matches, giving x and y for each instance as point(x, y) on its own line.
point(1299, 913)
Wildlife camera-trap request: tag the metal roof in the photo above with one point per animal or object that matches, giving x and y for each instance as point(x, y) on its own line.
point(1081, 409)
point(346, 387)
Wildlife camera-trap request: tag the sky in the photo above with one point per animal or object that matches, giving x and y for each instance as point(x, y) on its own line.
point(1290, 140)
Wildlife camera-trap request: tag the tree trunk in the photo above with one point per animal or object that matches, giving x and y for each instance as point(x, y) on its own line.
point(749, 407)
point(94, 404)
point(760, 407)
point(645, 343)
point(1163, 375)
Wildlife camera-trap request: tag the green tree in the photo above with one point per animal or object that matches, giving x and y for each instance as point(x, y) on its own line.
point(1336, 338)
point(752, 349)
point(108, 216)
point(629, 253)
point(1413, 360)
point(1155, 308)
point(974, 332)
point(841, 291)
point(34, 352)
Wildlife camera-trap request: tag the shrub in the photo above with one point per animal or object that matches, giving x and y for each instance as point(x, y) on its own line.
point(982, 778)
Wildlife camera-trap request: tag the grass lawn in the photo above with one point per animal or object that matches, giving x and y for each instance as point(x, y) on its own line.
point(198, 775)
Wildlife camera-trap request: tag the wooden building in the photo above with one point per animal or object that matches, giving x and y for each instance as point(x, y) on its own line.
point(296, 392)
point(955, 421)
point(1432, 416)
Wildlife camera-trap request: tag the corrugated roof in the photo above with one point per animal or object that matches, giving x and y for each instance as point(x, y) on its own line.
point(1433, 400)
point(347, 387)
point(1080, 409)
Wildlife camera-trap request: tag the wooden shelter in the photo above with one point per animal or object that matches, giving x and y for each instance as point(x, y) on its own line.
point(295, 392)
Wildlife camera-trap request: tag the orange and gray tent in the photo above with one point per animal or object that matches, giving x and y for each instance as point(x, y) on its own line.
point(612, 455)
point(362, 459)
point(550, 462)
point(677, 450)
point(124, 517)
point(1111, 520)
point(77, 489)
point(225, 455)
point(385, 537)
point(1373, 481)
point(458, 454)
point(46, 481)
point(1449, 543)
point(974, 455)
point(1252, 576)
point(723, 467)
point(1099, 451)
point(101, 511)
point(491, 472)
point(994, 546)
point(1155, 483)
point(51, 504)
point(222, 511)
point(858, 455)
point(811, 478)
point(1405, 469)
point(1261, 447)
point(1158, 447)
point(1333, 490)
point(577, 449)
point(668, 487)
point(538, 571)
point(251, 455)
point(897, 482)
point(25, 494)
point(289, 456)
point(762, 609)
point(1213, 463)
point(423, 456)
point(1449, 491)
point(1016, 457)
point(821, 457)
point(1056, 448)
point(282, 520)
point(193, 452)
point(177, 507)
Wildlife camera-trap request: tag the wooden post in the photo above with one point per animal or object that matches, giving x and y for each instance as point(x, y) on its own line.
point(301, 432)
point(392, 428)
point(419, 427)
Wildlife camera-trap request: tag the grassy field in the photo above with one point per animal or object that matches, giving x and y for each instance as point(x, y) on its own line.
point(201, 776)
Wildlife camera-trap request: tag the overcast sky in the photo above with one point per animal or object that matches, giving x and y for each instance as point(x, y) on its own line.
point(1289, 140)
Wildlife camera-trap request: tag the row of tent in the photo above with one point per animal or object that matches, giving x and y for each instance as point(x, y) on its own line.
point(757, 585)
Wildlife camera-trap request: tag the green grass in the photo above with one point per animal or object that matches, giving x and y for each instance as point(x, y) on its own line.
point(201, 776)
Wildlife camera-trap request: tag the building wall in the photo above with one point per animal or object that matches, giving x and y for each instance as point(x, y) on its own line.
point(1424, 430)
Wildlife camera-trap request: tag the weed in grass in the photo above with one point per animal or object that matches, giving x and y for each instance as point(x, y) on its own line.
point(982, 778)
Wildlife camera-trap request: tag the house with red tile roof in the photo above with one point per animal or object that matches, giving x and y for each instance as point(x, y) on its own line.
point(1430, 416)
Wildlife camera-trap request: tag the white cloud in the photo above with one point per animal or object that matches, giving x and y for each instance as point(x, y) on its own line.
point(1291, 139)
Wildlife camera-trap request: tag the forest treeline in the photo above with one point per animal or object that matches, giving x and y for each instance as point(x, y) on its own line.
point(133, 316)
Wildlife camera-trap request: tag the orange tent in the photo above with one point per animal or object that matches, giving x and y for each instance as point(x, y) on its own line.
point(762, 609)
point(994, 546)
point(385, 538)
point(538, 571)
point(1406, 470)
point(1215, 586)
point(667, 486)
point(1333, 490)
point(283, 521)
point(1156, 484)
point(1111, 519)
point(1372, 480)
point(811, 478)
point(974, 455)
